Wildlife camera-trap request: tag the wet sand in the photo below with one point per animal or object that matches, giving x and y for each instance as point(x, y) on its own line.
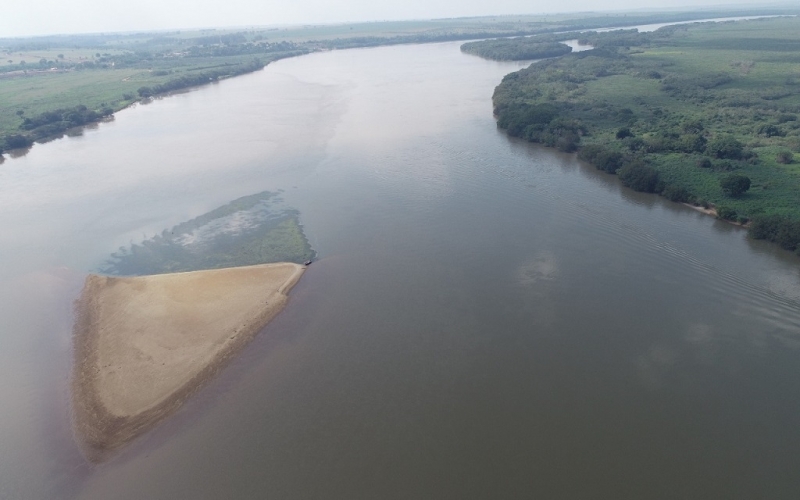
point(144, 344)
point(708, 211)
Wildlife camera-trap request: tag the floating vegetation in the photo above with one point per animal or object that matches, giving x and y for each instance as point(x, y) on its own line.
point(251, 230)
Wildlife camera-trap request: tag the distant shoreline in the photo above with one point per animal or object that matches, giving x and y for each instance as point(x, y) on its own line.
point(196, 61)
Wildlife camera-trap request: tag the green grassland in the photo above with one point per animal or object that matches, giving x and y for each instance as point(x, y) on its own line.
point(677, 112)
point(218, 240)
point(37, 95)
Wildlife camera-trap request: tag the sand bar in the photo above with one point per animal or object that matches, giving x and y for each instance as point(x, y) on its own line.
point(145, 344)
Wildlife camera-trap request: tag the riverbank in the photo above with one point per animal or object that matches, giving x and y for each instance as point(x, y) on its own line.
point(144, 344)
point(713, 213)
point(700, 114)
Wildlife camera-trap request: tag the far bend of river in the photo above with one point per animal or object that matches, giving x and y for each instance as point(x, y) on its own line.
point(487, 318)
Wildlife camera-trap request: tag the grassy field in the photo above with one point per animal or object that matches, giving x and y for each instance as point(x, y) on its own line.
point(35, 95)
point(756, 74)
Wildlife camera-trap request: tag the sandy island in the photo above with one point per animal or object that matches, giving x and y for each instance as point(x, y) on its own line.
point(144, 344)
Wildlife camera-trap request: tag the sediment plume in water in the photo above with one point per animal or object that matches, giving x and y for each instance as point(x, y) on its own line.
point(145, 344)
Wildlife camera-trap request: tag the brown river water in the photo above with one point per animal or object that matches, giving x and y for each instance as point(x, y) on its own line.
point(487, 318)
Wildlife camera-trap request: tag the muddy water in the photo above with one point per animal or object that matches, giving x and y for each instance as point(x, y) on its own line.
point(487, 319)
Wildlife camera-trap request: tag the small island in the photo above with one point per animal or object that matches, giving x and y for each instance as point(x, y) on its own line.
point(144, 344)
point(163, 316)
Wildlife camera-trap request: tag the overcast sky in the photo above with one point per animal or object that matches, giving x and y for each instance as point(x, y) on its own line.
point(37, 17)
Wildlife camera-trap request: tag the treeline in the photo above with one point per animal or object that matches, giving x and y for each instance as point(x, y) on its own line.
point(61, 119)
point(629, 156)
point(556, 29)
point(515, 49)
point(779, 229)
point(146, 55)
point(52, 124)
point(245, 49)
point(709, 138)
point(635, 171)
point(625, 38)
point(612, 21)
point(186, 81)
point(377, 41)
point(548, 44)
point(541, 123)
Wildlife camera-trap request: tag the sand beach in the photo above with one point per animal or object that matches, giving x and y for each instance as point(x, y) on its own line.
point(145, 344)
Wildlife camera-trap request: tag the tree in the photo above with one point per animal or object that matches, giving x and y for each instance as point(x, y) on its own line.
point(734, 184)
point(639, 177)
point(609, 161)
point(675, 193)
point(785, 157)
point(725, 146)
point(776, 228)
point(17, 141)
point(568, 142)
point(771, 131)
point(693, 127)
point(704, 163)
point(624, 132)
point(726, 213)
point(692, 143)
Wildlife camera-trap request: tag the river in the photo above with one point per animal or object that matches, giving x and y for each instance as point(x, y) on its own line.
point(487, 318)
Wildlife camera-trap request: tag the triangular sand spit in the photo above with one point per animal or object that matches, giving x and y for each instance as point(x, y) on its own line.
point(145, 344)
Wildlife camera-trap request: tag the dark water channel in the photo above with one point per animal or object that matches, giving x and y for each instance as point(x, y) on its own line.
point(487, 319)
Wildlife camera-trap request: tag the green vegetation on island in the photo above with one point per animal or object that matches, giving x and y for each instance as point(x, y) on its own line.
point(705, 114)
point(248, 231)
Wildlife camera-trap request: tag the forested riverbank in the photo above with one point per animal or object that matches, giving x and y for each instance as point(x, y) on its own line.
point(521, 48)
point(705, 114)
point(50, 84)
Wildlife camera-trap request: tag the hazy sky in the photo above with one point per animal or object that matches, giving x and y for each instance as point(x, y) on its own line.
point(36, 17)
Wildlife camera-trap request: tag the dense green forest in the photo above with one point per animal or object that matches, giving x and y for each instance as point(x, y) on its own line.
point(519, 49)
point(704, 113)
point(49, 84)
